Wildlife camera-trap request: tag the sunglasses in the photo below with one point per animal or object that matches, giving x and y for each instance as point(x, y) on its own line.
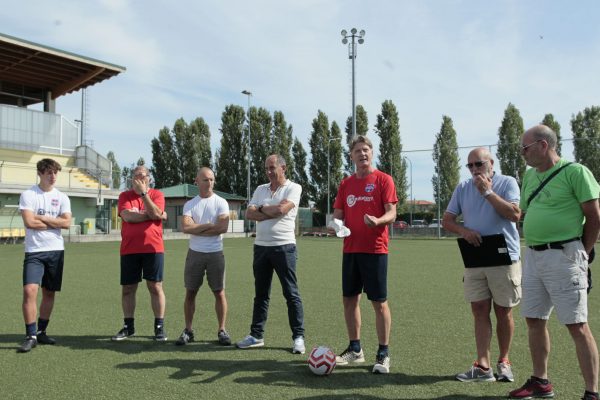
point(477, 164)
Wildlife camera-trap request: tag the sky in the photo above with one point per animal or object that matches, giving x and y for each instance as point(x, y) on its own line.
point(467, 59)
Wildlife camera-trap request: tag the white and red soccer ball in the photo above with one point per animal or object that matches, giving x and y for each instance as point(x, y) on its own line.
point(321, 360)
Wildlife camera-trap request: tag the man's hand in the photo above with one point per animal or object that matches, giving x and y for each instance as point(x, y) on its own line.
point(482, 183)
point(139, 186)
point(472, 237)
point(370, 221)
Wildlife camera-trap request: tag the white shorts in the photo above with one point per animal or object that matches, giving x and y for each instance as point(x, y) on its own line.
point(556, 278)
point(502, 284)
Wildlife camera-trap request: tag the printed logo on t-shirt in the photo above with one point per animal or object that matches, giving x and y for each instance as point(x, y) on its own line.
point(41, 211)
point(370, 187)
point(351, 200)
point(54, 203)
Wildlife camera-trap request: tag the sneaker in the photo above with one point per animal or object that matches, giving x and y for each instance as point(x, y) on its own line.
point(476, 374)
point(504, 372)
point(224, 338)
point(42, 338)
point(382, 364)
point(29, 343)
point(159, 334)
point(532, 389)
point(298, 347)
point(123, 334)
point(249, 342)
point(349, 356)
point(185, 337)
point(589, 396)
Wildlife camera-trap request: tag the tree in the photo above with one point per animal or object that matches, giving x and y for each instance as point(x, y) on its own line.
point(334, 147)
point(282, 139)
point(126, 175)
point(445, 157)
point(185, 146)
point(509, 144)
point(260, 144)
point(551, 123)
point(231, 164)
point(390, 148)
point(586, 134)
point(201, 136)
point(298, 171)
point(362, 128)
point(116, 170)
point(140, 162)
point(164, 160)
point(318, 148)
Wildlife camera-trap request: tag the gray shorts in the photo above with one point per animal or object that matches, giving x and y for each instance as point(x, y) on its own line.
point(502, 284)
point(556, 278)
point(197, 264)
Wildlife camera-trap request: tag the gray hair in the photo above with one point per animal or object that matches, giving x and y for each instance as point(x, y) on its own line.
point(360, 139)
point(543, 132)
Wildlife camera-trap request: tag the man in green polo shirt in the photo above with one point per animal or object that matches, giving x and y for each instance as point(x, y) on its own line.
point(555, 268)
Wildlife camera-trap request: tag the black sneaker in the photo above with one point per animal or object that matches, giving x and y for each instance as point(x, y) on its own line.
point(123, 334)
point(159, 333)
point(185, 337)
point(29, 343)
point(224, 338)
point(42, 338)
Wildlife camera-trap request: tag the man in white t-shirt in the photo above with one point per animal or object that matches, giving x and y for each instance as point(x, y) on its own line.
point(205, 218)
point(45, 211)
point(274, 206)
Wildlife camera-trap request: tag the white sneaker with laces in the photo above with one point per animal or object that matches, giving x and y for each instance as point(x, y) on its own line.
point(505, 373)
point(299, 347)
point(349, 356)
point(382, 365)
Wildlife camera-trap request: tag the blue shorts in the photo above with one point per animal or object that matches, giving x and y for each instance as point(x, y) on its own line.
point(44, 268)
point(365, 272)
point(134, 267)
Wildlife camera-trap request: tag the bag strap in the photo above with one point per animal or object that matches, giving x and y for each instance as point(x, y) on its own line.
point(548, 179)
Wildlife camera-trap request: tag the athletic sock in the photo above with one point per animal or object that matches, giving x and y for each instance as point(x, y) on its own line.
point(30, 329)
point(382, 350)
point(129, 324)
point(42, 324)
point(354, 345)
point(159, 322)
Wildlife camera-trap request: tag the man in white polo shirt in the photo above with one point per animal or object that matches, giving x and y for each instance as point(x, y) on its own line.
point(45, 211)
point(274, 206)
point(205, 218)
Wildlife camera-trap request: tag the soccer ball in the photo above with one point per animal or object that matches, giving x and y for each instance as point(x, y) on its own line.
point(321, 360)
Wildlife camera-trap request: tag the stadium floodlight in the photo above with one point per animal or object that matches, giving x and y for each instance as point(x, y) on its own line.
point(249, 94)
point(352, 55)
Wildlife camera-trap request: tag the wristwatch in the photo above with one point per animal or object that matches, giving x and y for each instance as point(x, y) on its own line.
point(144, 194)
point(260, 208)
point(487, 192)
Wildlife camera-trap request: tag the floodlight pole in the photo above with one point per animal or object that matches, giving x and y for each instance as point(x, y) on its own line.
point(248, 94)
point(355, 37)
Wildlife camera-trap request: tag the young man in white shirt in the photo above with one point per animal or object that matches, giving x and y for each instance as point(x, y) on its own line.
point(45, 211)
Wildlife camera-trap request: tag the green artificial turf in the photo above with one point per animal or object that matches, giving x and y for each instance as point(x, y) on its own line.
point(432, 334)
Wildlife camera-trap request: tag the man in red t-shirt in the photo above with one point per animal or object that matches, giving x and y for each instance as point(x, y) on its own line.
point(142, 251)
point(366, 202)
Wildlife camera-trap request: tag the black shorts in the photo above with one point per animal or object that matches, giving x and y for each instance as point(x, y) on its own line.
point(365, 272)
point(134, 267)
point(44, 268)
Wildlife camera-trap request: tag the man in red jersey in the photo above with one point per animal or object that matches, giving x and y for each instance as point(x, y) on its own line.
point(366, 202)
point(142, 251)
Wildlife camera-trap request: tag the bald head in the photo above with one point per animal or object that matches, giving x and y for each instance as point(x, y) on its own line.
point(542, 132)
point(205, 180)
point(480, 162)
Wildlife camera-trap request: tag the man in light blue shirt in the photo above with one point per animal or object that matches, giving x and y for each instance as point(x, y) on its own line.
point(488, 203)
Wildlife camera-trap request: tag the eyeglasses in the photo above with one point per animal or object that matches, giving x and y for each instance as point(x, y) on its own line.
point(525, 147)
point(140, 175)
point(477, 164)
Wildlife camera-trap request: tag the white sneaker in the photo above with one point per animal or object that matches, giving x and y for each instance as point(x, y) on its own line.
point(299, 347)
point(249, 342)
point(382, 365)
point(505, 373)
point(349, 356)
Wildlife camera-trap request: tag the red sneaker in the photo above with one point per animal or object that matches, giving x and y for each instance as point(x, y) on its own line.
point(532, 389)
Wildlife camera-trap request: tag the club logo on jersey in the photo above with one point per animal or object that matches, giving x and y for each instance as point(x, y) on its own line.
point(370, 187)
point(351, 200)
point(41, 211)
point(54, 202)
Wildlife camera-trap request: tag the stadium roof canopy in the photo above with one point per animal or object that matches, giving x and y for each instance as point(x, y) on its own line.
point(31, 72)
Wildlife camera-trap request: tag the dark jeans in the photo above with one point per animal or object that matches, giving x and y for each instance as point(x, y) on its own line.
point(282, 260)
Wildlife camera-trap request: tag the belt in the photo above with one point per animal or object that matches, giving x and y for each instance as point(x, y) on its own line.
point(553, 245)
